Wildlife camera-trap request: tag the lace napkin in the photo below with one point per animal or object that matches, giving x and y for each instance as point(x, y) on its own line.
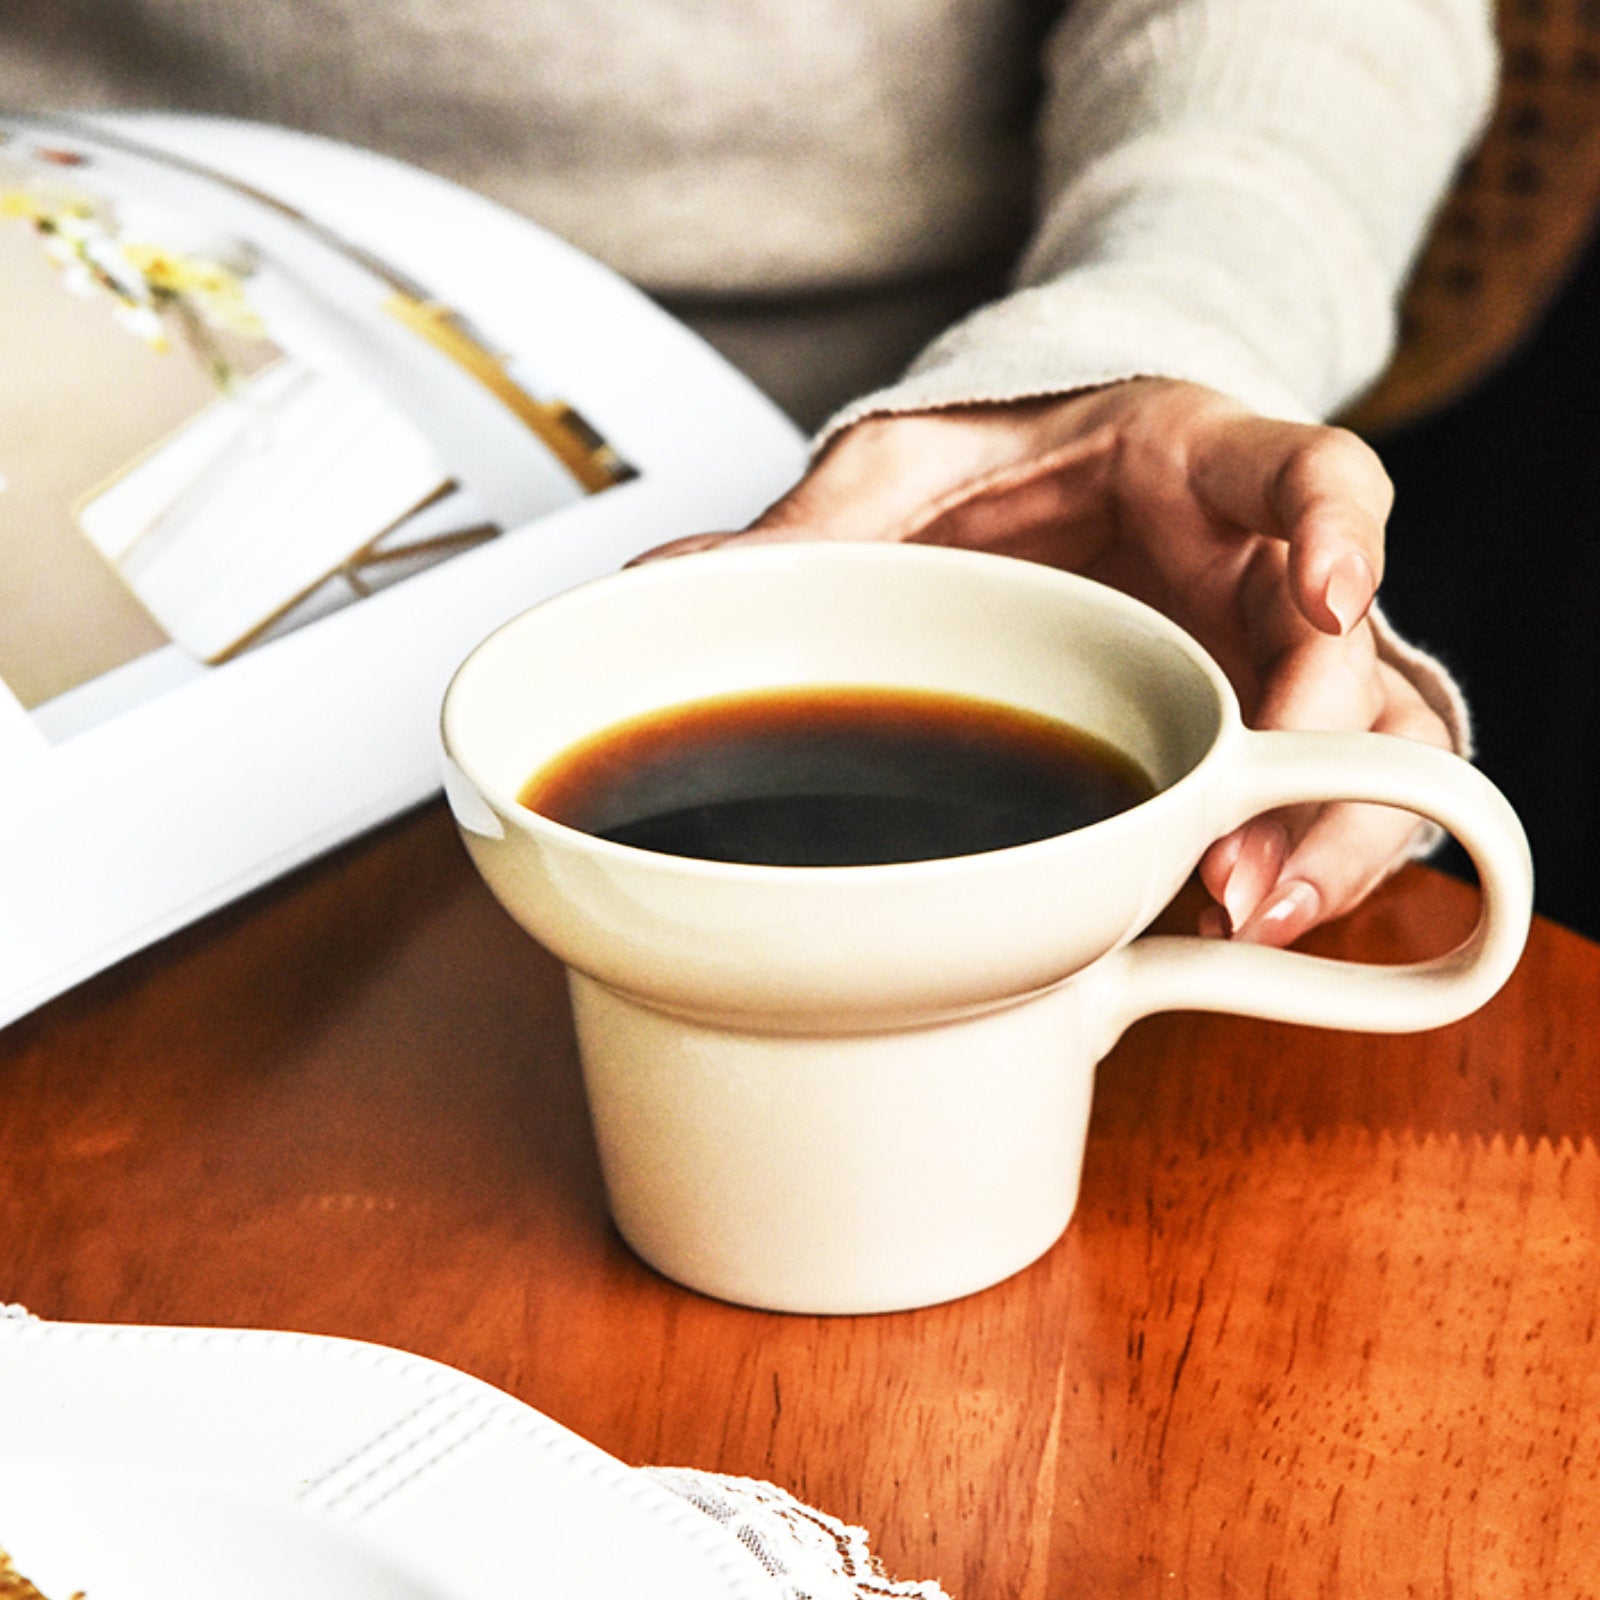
point(808, 1554)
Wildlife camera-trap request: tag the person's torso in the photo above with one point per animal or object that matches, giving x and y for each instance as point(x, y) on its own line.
point(743, 147)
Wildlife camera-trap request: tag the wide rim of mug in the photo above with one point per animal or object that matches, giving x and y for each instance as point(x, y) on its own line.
point(510, 810)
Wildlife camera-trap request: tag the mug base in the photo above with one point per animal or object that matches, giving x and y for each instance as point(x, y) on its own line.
point(839, 1174)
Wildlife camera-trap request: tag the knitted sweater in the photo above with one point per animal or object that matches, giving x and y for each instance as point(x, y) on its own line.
point(1223, 190)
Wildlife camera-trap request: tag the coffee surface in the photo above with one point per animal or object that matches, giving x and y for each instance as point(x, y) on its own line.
point(835, 777)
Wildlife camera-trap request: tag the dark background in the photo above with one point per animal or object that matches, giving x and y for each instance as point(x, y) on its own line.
point(1494, 564)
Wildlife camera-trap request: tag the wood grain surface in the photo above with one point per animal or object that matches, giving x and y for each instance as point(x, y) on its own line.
point(1324, 1325)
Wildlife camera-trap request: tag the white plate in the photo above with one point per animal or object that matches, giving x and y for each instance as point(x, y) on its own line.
point(198, 1464)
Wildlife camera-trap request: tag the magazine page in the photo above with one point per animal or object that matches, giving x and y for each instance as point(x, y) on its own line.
point(285, 428)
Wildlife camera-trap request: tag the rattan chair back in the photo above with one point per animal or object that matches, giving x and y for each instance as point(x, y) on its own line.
point(1515, 223)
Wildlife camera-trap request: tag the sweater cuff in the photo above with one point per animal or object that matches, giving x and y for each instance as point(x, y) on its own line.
point(1067, 336)
point(1430, 678)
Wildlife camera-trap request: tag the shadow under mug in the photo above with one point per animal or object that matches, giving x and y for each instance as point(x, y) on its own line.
point(857, 1089)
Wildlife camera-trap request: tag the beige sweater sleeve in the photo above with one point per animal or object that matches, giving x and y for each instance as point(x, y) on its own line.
point(1232, 192)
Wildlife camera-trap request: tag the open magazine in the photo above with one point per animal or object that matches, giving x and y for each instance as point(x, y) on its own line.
point(285, 428)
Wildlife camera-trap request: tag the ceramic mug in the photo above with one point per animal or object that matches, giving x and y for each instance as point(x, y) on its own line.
point(854, 1089)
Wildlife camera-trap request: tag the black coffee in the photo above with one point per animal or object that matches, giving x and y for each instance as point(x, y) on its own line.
point(833, 777)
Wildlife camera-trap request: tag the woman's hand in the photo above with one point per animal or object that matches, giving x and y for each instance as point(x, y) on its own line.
point(1263, 539)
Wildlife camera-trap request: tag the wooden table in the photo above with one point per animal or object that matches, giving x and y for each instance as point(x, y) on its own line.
point(1325, 1324)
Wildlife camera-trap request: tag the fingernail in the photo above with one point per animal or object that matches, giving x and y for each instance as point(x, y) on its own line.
point(1288, 912)
point(1255, 869)
point(1350, 590)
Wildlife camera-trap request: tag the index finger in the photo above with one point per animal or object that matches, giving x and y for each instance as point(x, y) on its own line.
point(1321, 490)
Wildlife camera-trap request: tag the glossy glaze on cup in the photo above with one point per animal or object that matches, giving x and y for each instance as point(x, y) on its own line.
point(850, 1089)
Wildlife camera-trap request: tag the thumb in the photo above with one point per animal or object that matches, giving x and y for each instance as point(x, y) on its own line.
point(841, 496)
point(855, 490)
point(759, 532)
point(877, 479)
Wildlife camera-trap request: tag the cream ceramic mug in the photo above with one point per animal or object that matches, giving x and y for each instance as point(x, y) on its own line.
point(854, 1089)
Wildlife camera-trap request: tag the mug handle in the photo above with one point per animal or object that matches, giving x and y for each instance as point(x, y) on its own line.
point(1188, 973)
